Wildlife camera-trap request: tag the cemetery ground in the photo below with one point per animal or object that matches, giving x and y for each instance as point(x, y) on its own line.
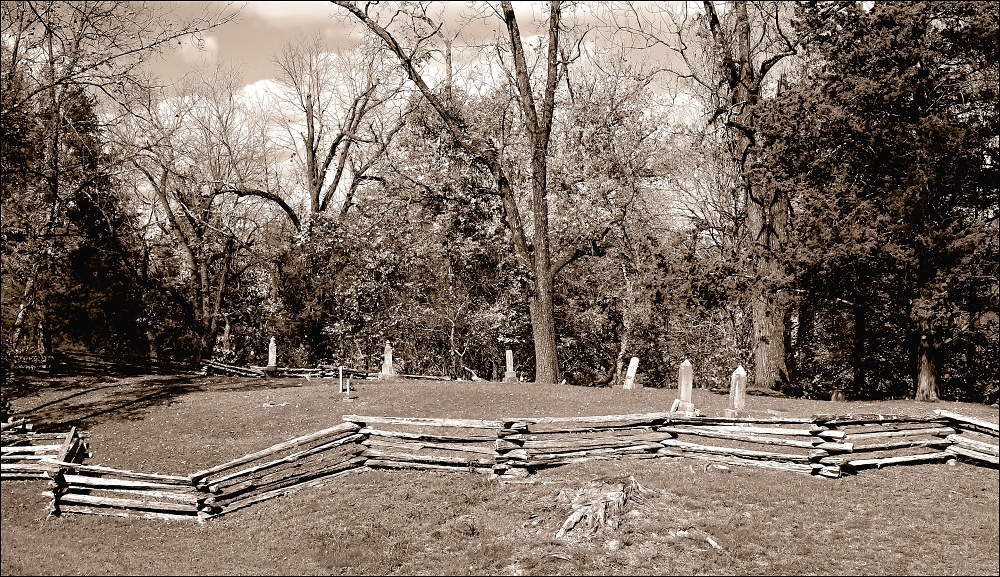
point(691, 518)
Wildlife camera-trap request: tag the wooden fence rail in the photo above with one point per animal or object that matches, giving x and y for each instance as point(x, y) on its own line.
point(509, 448)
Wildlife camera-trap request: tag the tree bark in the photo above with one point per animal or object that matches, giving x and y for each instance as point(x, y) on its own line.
point(927, 372)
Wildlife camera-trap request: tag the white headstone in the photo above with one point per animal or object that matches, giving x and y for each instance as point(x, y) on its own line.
point(685, 381)
point(633, 365)
point(387, 370)
point(509, 375)
point(738, 389)
point(272, 353)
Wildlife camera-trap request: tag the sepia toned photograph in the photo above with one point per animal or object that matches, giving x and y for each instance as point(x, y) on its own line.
point(499, 288)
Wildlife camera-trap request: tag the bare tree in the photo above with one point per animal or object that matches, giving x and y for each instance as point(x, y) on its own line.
point(532, 77)
point(199, 154)
point(51, 54)
point(732, 55)
point(341, 122)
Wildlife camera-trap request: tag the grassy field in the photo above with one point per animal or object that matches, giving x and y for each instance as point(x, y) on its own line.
point(927, 519)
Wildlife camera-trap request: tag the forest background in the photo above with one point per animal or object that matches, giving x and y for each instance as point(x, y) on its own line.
point(806, 189)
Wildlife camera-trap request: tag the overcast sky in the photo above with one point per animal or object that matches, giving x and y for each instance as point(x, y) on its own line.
point(253, 38)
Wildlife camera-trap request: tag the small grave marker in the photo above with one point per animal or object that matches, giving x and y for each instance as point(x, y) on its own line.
point(509, 375)
point(737, 392)
point(630, 383)
point(387, 370)
point(685, 382)
point(272, 359)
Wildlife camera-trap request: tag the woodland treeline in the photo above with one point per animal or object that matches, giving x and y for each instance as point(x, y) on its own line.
point(806, 189)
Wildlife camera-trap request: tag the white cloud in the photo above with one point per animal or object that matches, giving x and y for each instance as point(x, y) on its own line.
point(193, 50)
point(285, 14)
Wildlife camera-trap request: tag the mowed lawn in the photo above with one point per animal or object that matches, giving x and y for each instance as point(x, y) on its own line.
point(691, 519)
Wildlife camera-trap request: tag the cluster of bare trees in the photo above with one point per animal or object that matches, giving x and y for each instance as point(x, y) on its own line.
point(599, 167)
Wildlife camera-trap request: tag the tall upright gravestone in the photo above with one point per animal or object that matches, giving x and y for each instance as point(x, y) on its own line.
point(737, 392)
point(387, 370)
point(509, 376)
point(272, 359)
point(630, 383)
point(685, 382)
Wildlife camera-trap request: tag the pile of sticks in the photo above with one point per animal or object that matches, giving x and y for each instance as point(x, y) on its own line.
point(278, 470)
point(25, 454)
point(428, 444)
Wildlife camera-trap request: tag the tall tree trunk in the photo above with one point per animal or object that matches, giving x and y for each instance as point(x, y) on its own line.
point(767, 212)
point(927, 372)
point(860, 343)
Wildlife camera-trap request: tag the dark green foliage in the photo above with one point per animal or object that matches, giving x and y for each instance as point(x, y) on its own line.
point(889, 152)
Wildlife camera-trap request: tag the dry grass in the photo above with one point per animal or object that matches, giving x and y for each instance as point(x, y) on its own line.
point(922, 519)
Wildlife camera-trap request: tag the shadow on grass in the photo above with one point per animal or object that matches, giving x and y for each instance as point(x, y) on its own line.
point(92, 400)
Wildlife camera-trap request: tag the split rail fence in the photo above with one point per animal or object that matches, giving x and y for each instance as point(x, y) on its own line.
point(510, 449)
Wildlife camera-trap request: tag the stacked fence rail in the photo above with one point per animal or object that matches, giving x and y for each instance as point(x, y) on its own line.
point(26, 454)
point(279, 469)
point(507, 449)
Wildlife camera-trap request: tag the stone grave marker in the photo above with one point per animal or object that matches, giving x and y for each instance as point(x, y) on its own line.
point(509, 376)
point(685, 382)
point(630, 383)
point(272, 359)
point(387, 370)
point(737, 392)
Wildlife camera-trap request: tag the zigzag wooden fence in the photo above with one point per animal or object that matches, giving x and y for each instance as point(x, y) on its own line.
point(823, 445)
point(26, 454)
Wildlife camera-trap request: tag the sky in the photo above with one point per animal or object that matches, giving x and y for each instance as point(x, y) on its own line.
point(261, 28)
point(257, 33)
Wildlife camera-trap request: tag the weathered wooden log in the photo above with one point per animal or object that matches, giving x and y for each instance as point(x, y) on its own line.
point(22, 467)
point(938, 431)
point(574, 443)
point(248, 489)
point(109, 483)
point(71, 498)
point(978, 425)
point(747, 438)
point(891, 446)
point(425, 437)
point(235, 506)
point(973, 454)
point(341, 430)
point(31, 449)
point(24, 457)
point(13, 423)
point(438, 459)
point(460, 448)
point(870, 419)
point(974, 445)
point(424, 422)
point(802, 468)
point(830, 471)
point(31, 437)
point(121, 473)
point(296, 468)
point(192, 498)
point(403, 464)
point(749, 430)
point(907, 459)
point(556, 453)
point(131, 514)
point(232, 369)
point(67, 445)
point(745, 453)
point(283, 460)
